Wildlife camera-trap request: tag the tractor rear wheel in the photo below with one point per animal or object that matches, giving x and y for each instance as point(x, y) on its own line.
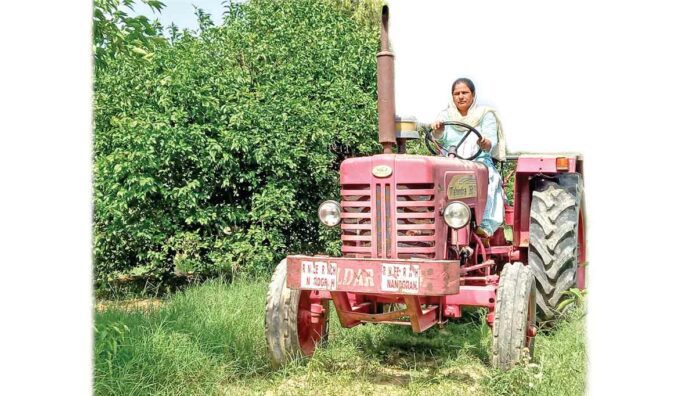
point(295, 323)
point(514, 316)
point(553, 245)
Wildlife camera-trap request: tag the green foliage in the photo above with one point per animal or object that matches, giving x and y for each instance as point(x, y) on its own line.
point(109, 336)
point(214, 154)
point(417, 146)
point(507, 172)
point(115, 33)
point(574, 299)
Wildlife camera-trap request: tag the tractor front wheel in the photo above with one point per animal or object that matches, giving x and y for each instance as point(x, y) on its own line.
point(295, 321)
point(514, 317)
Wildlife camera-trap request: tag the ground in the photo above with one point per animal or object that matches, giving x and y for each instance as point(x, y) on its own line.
point(209, 339)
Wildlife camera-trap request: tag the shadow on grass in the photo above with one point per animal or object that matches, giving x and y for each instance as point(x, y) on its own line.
point(397, 344)
point(395, 357)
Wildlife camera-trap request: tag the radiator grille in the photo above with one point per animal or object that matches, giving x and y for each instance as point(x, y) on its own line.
point(408, 222)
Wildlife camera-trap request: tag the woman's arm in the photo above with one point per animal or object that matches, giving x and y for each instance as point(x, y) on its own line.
point(489, 132)
point(437, 127)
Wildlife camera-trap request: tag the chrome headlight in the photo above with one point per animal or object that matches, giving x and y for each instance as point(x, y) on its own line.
point(457, 214)
point(330, 213)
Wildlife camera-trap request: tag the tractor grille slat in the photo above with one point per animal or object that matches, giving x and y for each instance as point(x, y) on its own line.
point(351, 250)
point(355, 204)
point(345, 215)
point(356, 237)
point(345, 192)
point(425, 191)
point(416, 215)
point(416, 252)
point(413, 238)
point(356, 226)
point(414, 204)
point(415, 226)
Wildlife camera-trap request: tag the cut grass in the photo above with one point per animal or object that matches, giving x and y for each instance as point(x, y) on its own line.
point(209, 340)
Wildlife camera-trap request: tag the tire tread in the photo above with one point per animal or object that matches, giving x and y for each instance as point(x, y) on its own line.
point(553, 241)
point(511, 315)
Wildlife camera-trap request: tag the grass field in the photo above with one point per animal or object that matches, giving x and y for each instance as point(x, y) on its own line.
point(209, 339)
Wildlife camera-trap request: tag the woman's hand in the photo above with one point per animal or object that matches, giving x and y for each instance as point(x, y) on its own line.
point(485, 144)
point(437, 126)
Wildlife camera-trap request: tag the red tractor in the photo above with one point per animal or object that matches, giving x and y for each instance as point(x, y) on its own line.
point(410, 255)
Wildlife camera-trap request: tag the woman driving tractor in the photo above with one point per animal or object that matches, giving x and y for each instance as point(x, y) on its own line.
point(463, 108)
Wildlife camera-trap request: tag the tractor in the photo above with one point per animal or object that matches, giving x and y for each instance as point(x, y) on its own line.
point(409, 253)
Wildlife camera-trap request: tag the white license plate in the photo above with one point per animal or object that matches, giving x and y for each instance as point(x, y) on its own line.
point(402, 278)
point(318, 275)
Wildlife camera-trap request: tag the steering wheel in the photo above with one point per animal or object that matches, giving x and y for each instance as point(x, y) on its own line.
point(430, 141)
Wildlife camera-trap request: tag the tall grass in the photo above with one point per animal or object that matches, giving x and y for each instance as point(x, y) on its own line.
point(199, 340)
point(209, 340)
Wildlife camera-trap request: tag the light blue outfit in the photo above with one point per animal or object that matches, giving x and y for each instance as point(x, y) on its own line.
point(488, 127)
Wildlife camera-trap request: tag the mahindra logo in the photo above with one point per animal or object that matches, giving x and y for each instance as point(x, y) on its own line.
point(382, 171)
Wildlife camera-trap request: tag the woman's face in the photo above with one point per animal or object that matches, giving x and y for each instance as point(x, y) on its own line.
point(462, 97)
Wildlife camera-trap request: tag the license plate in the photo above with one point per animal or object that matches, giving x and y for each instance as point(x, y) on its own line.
point(318, 275)
point(401, 278)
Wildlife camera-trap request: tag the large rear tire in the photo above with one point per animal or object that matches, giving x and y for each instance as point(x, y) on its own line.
point(514, 317)
point(553, 246)
point(289, 330)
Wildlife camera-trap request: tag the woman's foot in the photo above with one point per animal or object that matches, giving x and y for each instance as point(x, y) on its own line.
point(482, 233)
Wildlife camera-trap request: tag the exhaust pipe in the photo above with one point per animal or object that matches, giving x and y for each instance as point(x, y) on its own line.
point(386, 108)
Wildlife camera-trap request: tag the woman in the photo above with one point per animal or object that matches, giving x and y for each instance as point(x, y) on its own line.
point(463, 108)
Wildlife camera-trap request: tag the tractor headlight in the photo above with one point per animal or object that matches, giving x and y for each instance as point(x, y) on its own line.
point(330, 213)
point(457, 214)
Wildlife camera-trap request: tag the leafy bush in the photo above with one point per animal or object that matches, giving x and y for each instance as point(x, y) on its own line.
point(115, 32)
point(214, 153)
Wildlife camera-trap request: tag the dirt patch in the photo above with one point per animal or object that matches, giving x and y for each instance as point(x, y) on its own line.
point(464, 374)
point(391, 376)
point(144, 304)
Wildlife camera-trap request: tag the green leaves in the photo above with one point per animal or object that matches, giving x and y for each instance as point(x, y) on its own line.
point(574, 298)
point(108, 339)
point(215, 154)
point(116, 34)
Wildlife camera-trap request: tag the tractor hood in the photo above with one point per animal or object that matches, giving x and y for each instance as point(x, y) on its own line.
point(451, 179)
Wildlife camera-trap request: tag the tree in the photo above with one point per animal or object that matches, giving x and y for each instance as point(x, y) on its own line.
point(116, 33)
point(215, 154)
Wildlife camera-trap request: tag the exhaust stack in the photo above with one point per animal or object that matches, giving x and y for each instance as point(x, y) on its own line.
point(386, 108)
